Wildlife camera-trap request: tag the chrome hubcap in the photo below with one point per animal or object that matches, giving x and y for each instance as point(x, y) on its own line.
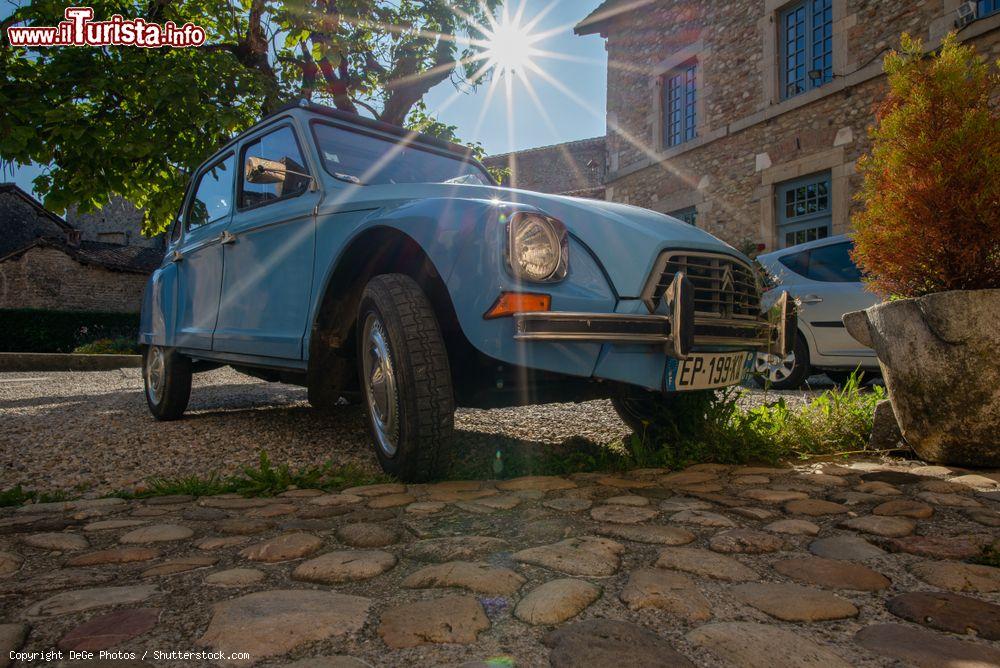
point(380, 385)
point(155, 373)
point(774, 367)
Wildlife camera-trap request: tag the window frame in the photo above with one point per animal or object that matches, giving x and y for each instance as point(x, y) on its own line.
point(250, 141)
point(986, 8)
point(193, 194)
point(809, 27)
point(687, 74)
point(785, 225)
point(683, 214)
point(416, 144)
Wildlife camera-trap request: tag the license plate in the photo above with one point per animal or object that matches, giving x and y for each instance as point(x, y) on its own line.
point(704, 371)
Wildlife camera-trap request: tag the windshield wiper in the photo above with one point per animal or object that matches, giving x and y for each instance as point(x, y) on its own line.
point(348, 178)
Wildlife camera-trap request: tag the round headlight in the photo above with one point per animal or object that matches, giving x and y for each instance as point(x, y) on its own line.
point(536, 247)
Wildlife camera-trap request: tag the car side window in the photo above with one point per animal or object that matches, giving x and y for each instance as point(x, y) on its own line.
point(286, 172)
point(833, 264)
point(213, 194)
point(797, 262)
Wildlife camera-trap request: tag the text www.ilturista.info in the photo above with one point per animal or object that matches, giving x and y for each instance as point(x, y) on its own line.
point(79, 30)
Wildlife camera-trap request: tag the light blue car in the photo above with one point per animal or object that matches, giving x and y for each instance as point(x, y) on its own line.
point(364, 261)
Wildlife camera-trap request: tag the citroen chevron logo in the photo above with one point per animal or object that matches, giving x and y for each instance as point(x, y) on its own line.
point(728, 282)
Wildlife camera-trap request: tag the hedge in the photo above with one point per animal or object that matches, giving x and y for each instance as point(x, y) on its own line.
point(43, 331)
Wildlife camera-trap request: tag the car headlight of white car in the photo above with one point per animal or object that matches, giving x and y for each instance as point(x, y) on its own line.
point(537, 247)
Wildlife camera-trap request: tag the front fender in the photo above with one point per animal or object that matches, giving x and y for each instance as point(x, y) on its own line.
point(465, 239)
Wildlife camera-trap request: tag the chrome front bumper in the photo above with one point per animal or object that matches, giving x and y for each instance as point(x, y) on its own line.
point(680, 331)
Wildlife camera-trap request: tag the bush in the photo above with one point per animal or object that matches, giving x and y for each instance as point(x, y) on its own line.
point(39, 331)
point(119, 346)
point(931, 220)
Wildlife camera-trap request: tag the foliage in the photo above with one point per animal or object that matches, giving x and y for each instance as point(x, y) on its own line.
point(17, 496)
point(265, 479)
point(708, 427)
point(990, 555)
point(116, 346)
point(41, 331)
point(421, 121)
point(931, 193)
point(718, 428)
point(136, 122)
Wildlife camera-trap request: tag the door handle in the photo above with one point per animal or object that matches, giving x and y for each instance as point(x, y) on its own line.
point(176, 256)
point(227, 238)
point(811, 299)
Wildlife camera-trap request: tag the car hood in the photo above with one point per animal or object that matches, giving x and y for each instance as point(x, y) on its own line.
point(625, 239)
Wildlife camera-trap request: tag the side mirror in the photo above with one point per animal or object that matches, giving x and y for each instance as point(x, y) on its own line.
point(288, 174)
point(261, 170)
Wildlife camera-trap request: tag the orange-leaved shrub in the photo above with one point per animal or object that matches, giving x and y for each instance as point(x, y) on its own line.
point(931, 192)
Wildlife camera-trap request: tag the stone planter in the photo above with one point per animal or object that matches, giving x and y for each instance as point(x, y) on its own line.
point(940, 357)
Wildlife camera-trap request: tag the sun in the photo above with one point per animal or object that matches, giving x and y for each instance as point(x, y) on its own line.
point(510, 45)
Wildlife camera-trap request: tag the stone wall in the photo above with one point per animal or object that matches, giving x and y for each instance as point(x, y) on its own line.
point(118, 222)
point(47, 278)
point(574, 168)
point(749, 138)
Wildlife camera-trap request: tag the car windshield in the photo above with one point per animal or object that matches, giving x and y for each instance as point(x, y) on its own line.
point(358, 158)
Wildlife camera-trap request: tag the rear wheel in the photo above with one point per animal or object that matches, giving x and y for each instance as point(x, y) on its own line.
point(405, 379)
point(166, 377)
point(784, 372)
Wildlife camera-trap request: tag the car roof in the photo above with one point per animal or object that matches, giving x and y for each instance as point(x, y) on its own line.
point(819, 243)
point(459, 151)
point(362, 122)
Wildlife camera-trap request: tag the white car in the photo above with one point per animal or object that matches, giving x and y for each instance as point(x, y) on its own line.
point(827, 284)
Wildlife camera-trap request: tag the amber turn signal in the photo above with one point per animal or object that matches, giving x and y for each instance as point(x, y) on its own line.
point(509, 303)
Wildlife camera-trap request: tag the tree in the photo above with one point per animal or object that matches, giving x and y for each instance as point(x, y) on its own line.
point(135, 122)
point(931, 193)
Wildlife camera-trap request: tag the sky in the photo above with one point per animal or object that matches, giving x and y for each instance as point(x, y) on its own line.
point(569, 98)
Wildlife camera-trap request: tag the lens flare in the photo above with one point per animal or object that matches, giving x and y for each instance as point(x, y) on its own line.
point(510, 46)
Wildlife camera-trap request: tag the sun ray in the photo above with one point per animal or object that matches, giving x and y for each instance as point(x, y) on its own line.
point(547, 119)
point(490, 93)
point(655, 158)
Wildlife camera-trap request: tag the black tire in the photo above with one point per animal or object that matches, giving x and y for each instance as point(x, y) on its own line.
point(799, 373)
point(644, 411)
point(424, 404)
point(168, 395)
point(841, 377)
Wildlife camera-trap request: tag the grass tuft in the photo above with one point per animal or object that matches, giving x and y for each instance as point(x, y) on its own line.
point(265, 479)
point(18, 496)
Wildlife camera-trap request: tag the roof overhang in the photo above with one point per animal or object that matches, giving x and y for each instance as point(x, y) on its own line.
point(599, 19)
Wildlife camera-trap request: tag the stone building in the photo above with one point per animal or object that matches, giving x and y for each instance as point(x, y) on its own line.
point(575, 168)
point(747, 117)
point(47, 263)
point(119, 222)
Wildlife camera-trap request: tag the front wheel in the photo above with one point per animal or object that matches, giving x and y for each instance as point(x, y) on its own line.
point(645, 411)
point(166, 377)
point(784, 372)
point(405, 379)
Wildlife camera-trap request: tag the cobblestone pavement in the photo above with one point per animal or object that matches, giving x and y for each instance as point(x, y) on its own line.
point(862, 565)
point(92, 432)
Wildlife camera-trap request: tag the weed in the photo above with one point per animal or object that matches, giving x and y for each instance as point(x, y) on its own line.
point(989, 557)
point(17, 496)
point(705, 427)
point(117, 346)
point(265, 479)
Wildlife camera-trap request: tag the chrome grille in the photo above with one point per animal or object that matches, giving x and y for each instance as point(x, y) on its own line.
point(723, 286)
